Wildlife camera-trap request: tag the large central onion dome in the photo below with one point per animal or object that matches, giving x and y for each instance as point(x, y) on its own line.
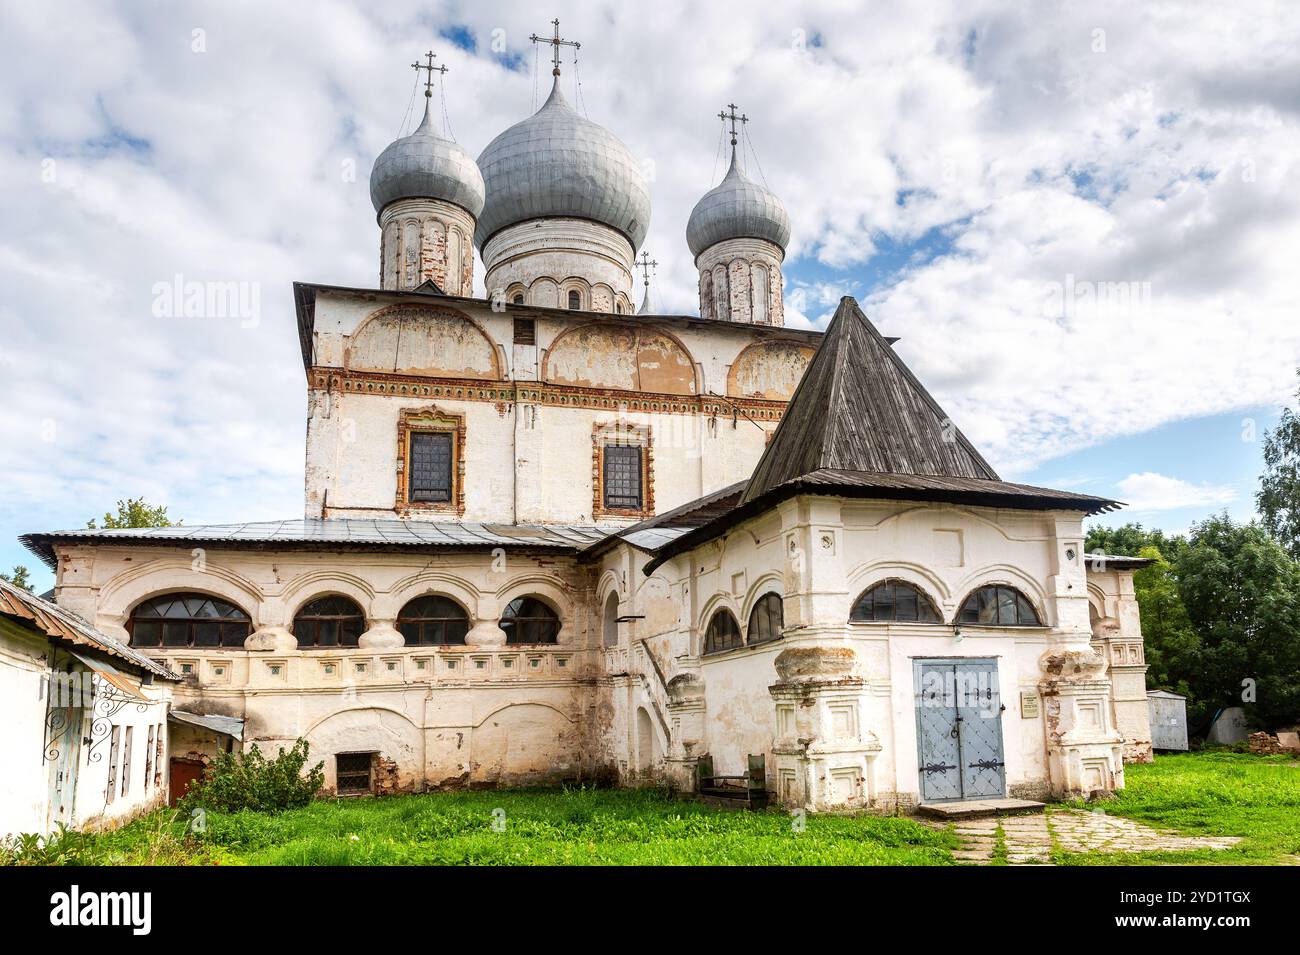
point(737, 208)
point(559, 164)
point(423, 165)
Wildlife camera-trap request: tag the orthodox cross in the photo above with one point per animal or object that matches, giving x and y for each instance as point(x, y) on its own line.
point(556, 41)
point(734, 118)
point(646, 264)
point(430, 70)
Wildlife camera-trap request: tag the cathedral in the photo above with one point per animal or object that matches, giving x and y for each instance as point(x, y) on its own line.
point(554, 534)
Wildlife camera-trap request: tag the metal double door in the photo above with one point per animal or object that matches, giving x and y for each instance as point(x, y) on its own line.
point(959, 729)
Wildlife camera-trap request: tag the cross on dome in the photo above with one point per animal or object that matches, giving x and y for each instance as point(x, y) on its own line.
point(556, 41)
point(430, 70)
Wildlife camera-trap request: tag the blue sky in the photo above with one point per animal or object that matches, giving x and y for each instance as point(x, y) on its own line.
point(984, 184)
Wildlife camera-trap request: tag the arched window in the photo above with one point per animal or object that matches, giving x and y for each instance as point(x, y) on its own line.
point(432, 620)
point(723, 633)
point(329, 622)
point(766, 619)
point(610, 625)
point(518, 299)
point(528, 620)
point(575, 299)
point(998, 606)
point(188, 620)
point(894, 601)
point(618, 307)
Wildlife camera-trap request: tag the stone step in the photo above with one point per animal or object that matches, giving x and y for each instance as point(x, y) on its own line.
point(978, 808)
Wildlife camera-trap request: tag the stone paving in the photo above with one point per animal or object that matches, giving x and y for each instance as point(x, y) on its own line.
point(1029, 839)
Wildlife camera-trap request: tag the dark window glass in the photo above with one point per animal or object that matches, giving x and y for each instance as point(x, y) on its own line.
point(525, 329)
point(329, 622)
point(528, 620)
point(623, 477)
point(433, 620)
point(894, 601)
point(766, 620)
point(575, 300)
point(723, 633)
point(518, 300)
point(998, 606)
point(188, 620)
point(430, 466)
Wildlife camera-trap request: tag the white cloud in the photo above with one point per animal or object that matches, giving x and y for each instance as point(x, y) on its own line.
point(1149, 491)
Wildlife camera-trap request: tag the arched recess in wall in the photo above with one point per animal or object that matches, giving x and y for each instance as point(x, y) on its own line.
point(768, 369)
point(423, 340)
point(616, 355)
point(609, 621)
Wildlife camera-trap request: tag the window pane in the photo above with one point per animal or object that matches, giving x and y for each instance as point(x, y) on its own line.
point(176, 633)
point(146, 634)
point(905, 607)
point(1025, 613)
point(207, 634)
point(623, 477)
point(1006, 607)
point(884, 602)
point(430, 466)
point(988, 603)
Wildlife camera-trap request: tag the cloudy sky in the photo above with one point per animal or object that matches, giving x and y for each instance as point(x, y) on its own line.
point(1082, 219)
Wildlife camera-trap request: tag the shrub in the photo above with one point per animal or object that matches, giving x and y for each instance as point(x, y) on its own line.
point(248, 780)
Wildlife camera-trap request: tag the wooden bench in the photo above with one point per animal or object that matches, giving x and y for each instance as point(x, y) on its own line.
point(749, 789)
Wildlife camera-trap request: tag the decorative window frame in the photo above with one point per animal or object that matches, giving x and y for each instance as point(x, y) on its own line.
point(430, 420)
point(622, 434)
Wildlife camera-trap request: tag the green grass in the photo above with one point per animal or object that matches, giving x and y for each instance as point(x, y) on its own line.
point(1210, 794)
point(541, 827)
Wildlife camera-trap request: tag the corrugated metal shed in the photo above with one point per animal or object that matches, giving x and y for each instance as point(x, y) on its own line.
point(1168, 712)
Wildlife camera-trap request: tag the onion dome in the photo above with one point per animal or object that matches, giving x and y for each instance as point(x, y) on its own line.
point(557, 163)
point(424, 165)
point(737, 208)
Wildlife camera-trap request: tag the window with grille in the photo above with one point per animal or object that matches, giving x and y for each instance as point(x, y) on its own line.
point(996, 606)
point(430, 466)
point(622, 472)
point(432, 620)
point(188, 620)
point(352, 772)
point(525, 329)
point(893, 601)
point(723, 633)
point(517, 300)
point(575, 300)
point(767, 619)
point(528, 620)
point(329, 622)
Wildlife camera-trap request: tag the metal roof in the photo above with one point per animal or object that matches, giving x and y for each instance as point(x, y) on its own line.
point(336, 532)
point(558, 163)
point(424, 165)
point(60, 624)
point(225, 725)
point(737, 208)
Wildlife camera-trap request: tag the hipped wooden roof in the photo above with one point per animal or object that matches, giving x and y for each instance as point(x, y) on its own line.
point(859, 408)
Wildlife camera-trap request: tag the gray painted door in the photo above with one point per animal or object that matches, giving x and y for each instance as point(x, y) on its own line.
point(959, 729)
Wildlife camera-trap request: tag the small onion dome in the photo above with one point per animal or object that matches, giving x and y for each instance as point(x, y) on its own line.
point(737, 208)
point(556, 163)
point(423, 165)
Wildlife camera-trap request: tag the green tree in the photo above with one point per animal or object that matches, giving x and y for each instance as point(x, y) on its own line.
point(1129, 540)
point(1278, 497)
point(134, 512)
point(1167, 633)
point(1241, 592)
point(21, 577)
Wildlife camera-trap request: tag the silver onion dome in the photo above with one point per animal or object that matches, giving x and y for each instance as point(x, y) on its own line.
point(557, 163)
point(737, 208)
point(423, 165)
